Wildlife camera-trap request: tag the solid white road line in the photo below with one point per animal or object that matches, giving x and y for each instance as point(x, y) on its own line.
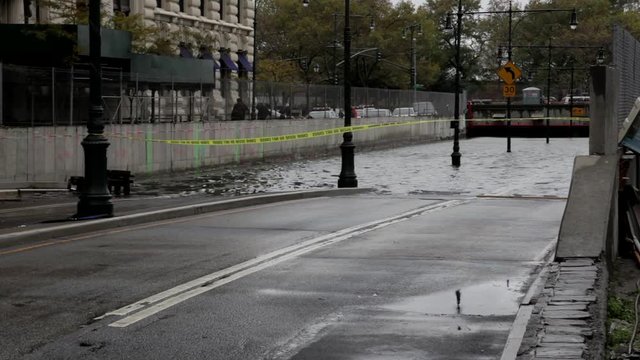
point(519, 327)
point(517, 333)
point(161, 301)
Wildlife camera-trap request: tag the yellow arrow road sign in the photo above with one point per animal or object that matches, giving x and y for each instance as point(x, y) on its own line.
point(509, 73)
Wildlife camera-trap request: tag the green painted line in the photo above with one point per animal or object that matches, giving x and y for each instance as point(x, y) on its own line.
point(238, 148)
point(197, 149)
point(149, 148)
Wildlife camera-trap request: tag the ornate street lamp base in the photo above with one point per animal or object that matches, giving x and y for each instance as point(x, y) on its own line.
point(455, 159)
point(347, 177)
point(94, 207)
point(347, 182)
point(95, 199)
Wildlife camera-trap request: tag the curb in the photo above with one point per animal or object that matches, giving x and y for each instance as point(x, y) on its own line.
point(569, 316)
point(76, 228)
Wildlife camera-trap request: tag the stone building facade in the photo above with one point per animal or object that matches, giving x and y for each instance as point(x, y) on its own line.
point(226, 27)
point(229, 23)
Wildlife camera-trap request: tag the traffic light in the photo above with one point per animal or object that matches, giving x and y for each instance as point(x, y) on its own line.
point(303, 65)
point(335, 79)
point(378, 55)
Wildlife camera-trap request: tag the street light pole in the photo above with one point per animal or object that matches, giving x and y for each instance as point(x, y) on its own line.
point(455, 155)
point(571, 100)
point(509, 55)
point(255, 60)
point(95, 199)
point(413, 75)
point(414, 72)
point(347, 177)
point(335, 48)
point(548, 91)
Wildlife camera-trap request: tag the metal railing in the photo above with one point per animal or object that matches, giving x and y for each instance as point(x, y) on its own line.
point(52, 96)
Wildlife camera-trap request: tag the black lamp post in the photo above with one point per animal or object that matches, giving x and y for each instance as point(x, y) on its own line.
point(95, 199)
point(255, 60)
point(411, 30)
point(573, 25)
point(455, 124)
point(347, 177)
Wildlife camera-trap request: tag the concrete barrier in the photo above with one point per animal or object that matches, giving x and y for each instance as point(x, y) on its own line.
point(52, 154)
point(589, 226)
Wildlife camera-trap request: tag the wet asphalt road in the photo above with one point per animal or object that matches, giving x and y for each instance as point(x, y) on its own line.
point(385, 293)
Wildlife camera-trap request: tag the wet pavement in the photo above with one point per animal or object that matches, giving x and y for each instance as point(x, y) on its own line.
point(426, 287)
point(532, 168)
point(311, 279)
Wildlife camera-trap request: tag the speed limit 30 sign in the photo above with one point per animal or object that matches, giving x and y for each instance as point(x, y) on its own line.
point(509, 90)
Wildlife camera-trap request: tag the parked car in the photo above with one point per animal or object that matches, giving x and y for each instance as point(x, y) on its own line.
point(404, 111)
point(425, 108)
point(373, 112)
point(322, 114)
point(576, 99)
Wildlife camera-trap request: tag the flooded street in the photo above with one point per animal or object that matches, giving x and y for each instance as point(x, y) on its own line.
point(414, 275)
point(532, 168)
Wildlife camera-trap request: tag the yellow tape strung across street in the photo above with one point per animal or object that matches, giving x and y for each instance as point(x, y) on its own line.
point(317, 133)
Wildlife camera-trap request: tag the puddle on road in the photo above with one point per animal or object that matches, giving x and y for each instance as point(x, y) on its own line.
point(492, 298)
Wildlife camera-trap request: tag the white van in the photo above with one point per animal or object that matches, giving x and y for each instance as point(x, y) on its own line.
point(425, 108)
point(373, 112)
point(404, 111)
point(322, 114)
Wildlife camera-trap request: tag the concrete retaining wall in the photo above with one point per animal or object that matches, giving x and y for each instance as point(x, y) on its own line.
point(52, 154)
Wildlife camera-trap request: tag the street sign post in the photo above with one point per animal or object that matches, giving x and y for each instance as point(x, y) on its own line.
point(509, 73)
point(509, 90)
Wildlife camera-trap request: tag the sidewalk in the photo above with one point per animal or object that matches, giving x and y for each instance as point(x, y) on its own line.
point(569, 312)
point(48, 217)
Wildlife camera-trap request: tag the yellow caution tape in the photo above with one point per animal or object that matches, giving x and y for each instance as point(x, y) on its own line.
point(315, 133)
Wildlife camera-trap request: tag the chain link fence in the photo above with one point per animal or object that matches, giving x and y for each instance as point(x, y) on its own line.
point(51, 96)
point(626, 58)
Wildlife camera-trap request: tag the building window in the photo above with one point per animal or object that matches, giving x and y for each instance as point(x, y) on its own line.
point(240, 11)
point(81, 6)
point(121, 6)
point(181, 5)
point(159, 3)
point(221, 11)
point(203, 7)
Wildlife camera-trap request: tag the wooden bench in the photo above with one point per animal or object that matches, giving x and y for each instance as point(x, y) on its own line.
point(118, 182)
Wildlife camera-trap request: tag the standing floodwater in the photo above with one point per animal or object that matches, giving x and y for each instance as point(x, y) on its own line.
point(532, 168)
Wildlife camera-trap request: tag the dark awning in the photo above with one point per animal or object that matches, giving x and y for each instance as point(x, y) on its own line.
point(207, 55)
point(227, 63)
point(185, 52)
point(244, 62)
